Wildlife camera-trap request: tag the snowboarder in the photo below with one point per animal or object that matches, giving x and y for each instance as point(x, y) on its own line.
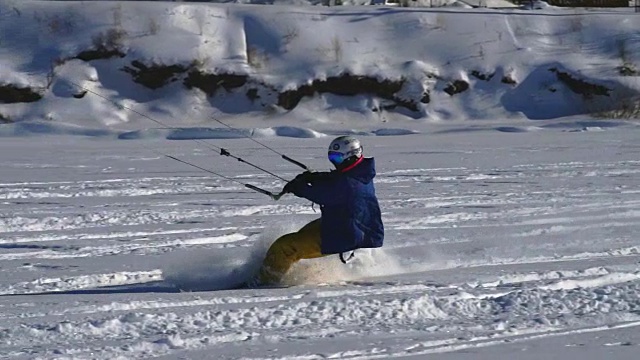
point(350, 212)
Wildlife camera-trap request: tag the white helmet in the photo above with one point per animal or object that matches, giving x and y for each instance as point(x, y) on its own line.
point(344, 151)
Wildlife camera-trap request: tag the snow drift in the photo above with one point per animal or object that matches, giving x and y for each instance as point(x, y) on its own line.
point(90, 63)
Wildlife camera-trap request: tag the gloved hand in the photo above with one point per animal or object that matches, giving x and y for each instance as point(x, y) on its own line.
point(288, 187)
point(304, 177)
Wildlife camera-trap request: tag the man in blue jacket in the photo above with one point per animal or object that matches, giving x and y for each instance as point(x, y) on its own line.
point(350, 212)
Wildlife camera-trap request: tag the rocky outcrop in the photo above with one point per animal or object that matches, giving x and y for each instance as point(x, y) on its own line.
point(580, 86)
point(153, 76)
point(10, 94)
point(211, 83)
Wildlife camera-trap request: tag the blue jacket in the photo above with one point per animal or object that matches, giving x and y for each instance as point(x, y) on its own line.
point(350, 212)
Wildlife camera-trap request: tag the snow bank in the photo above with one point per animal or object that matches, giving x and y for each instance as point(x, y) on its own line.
point(29, 128)
point(103, 64)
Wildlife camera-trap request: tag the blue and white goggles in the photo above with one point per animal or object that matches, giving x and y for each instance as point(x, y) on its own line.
point(336, 158)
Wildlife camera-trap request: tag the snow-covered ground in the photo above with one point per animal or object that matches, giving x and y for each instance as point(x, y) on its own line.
point(499, 241)
point(511, 208)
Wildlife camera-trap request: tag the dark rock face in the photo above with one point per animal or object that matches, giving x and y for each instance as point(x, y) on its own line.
point(210, 83)
point(456, 87)
point(628, 70)
point(98, 54)
point(10, 94)
point(105, 46)
point(580, 86)
point(154, 76)
point(347, 85)
point(481, 76)
point(507, 79)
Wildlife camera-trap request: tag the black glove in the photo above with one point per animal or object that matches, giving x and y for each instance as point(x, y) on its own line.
point(305, 177)
point(312, 177)
point(302, 178)
point(288, 187)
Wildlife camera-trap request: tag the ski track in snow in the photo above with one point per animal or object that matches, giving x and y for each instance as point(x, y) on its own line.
point(493, 251)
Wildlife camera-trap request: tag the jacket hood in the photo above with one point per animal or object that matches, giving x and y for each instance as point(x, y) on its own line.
point(363, 172)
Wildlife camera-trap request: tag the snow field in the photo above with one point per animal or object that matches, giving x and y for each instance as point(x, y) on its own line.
point(519, 242)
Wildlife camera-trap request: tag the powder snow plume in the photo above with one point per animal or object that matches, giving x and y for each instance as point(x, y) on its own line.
point(366, 264)
point(217, 270)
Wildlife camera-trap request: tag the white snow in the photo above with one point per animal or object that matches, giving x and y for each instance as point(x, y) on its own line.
point(511, 211)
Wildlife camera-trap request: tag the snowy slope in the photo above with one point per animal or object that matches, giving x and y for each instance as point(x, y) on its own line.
point(508, 64)
point(511, 209)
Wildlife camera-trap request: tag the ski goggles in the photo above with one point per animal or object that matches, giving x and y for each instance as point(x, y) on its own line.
point(336, 157)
